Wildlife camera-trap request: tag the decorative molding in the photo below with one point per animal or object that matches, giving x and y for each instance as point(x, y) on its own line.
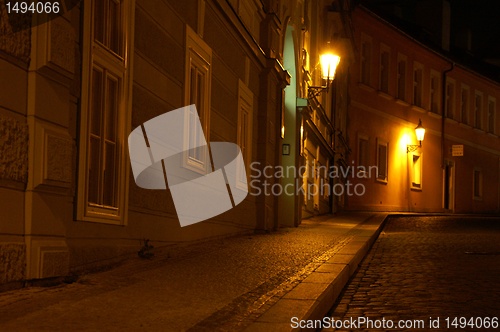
point(53, 164)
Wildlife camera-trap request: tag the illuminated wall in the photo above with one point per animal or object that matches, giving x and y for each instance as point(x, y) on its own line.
point(398, 81)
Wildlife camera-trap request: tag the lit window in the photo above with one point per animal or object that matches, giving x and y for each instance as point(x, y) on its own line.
point(416, 171)
point(105, 110)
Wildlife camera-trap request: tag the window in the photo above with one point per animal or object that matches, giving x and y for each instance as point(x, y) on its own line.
point(402, 79)
point(491, 114)
point(435, 92)
point(245, 125)
point(384, 70)
point(382, 161)
point(478, 110)
point(105, 110)
point(197, 91)
point(450, 99)
point(464, 105)
point(366, 55)
point(417, 85)
point(363, 155)
point(416, 171)
point(477, 184)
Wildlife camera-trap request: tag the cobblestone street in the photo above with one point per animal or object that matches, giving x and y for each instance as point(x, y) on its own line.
point(423, 267)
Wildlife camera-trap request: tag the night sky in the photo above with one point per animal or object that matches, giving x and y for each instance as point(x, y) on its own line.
point(480, 17)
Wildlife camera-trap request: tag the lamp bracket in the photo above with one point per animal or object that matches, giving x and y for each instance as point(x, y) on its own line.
point(315, 91)
point(413, 147)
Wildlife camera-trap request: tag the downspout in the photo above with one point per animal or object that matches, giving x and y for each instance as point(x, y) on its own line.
point(443, 110)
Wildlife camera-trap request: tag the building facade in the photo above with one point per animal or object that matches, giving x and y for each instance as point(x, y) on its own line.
point(74, 86)
point(398, 81)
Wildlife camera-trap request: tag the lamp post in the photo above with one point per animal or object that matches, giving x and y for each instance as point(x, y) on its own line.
point(420, 133)
point(329, 63)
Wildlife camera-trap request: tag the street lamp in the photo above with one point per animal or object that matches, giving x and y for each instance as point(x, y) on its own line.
point(420, 133)
point(329, 63)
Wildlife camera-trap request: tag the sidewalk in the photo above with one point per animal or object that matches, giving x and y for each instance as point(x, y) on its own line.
point(252, 282)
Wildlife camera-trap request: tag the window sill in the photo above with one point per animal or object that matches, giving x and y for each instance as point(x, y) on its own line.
point(434, 115)
point(418, 109)
point(366, 87)
point(384, 95)
point(402, 102)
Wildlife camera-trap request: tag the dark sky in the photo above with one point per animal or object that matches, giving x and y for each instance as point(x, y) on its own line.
point(480, 17)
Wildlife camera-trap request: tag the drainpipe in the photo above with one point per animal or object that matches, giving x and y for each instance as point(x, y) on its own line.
point(443, 110)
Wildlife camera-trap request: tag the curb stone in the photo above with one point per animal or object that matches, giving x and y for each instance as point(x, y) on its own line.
point(314, 296)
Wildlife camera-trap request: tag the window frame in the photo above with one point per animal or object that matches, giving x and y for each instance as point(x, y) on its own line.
point(401, 77)
point(417, 85)
point(450, 99)
point(97, 54)
point(363, 160)
point(465, 105)
point(245, 98)
point(477, 184)
point(366, 55)
point(382, 177)
point(491, 115)
point(416, 171)
point(198, 57)
point(478, 109)
point(384, 68)
point(435, 92)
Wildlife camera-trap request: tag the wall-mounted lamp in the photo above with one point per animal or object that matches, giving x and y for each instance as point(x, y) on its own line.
point(329, 63)
point(420, 133)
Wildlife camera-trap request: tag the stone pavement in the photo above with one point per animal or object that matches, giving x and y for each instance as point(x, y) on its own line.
point(423, 267)
point(254, 282)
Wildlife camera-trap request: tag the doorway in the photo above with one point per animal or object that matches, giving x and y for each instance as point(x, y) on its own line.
point(449, 186)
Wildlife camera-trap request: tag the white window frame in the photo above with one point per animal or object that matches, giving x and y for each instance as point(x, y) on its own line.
point(96, 54)
point(199, 58)
point(416, 170)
